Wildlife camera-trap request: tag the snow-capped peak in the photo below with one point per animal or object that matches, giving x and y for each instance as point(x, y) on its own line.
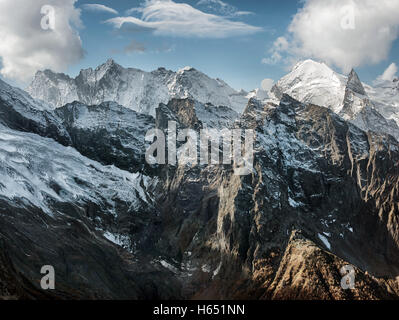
point(186, 68)
point(369, 108)
point(309, 64)
point(135, 89)
point(107, 66)
point(312, 69)
point(314, 82)
point(110, 62)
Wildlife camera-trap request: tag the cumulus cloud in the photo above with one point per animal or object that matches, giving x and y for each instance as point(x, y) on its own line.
point(389, 74)
point(25, 46)
point(344, 33)
point(168, 18)
point(279, 47)
point(99, 8)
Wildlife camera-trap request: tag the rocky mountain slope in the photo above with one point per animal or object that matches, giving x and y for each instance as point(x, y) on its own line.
point(75, 193)
point(367, 107)
point(135, 89)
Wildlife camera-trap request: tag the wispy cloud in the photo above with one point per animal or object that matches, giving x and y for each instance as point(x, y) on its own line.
point(139, 47)
point(279, 47)
point(99, 8)
point(166, 17)
point(135, 46)
point(223, 8)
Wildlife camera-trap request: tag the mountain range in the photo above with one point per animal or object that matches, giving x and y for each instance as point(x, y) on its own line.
point(135, 89)
point(76, 192)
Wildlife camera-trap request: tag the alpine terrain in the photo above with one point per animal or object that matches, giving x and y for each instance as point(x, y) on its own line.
point(77, 193)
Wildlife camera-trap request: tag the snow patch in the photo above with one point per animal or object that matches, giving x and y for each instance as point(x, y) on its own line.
point(325, 241)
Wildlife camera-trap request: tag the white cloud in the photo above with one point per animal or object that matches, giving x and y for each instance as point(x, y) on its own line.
point(223, 8)
point(99, 8)
point(389, 74)
point(25, 47)
point(344, 33)
point(275, 58)
point(169, 18)
point(279, 46)
point(267, 84)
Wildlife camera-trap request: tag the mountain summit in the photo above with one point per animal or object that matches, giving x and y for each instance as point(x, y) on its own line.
point(313, 82)
point(316, 83)
point(355, 84)
point(370, 108)
point(133, 88)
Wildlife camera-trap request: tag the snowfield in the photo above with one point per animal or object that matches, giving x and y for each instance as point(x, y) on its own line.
point(39, 171)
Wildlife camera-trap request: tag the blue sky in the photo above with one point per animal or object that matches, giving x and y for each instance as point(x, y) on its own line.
point(235, 59)
point(243, 42)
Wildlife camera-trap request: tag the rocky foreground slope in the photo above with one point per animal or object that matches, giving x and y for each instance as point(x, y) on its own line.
point(75, 193)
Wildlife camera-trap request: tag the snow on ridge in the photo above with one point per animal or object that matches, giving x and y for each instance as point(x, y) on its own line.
point(309, 82)
point(314, 82)
point(375, 109)
point(135, 89)
point(39, 171)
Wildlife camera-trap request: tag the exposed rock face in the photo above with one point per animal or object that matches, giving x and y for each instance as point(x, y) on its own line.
point(193, 114)
point(323, 194)
point(355, 99)
point(361, 111)
point(20, 112)
point(354, 84)
point(107, 133)
point(312, 273)
point(314, 174)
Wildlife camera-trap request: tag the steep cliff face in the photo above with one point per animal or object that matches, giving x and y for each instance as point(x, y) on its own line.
point(322, 194)
point(108, 133)
point(20, 112)
point(315, 175)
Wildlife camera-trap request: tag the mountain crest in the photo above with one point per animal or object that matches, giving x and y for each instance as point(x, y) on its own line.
point(110, 63)
point(185, 69)
point(135, 89)
point(54, 76)
point(355, 84)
